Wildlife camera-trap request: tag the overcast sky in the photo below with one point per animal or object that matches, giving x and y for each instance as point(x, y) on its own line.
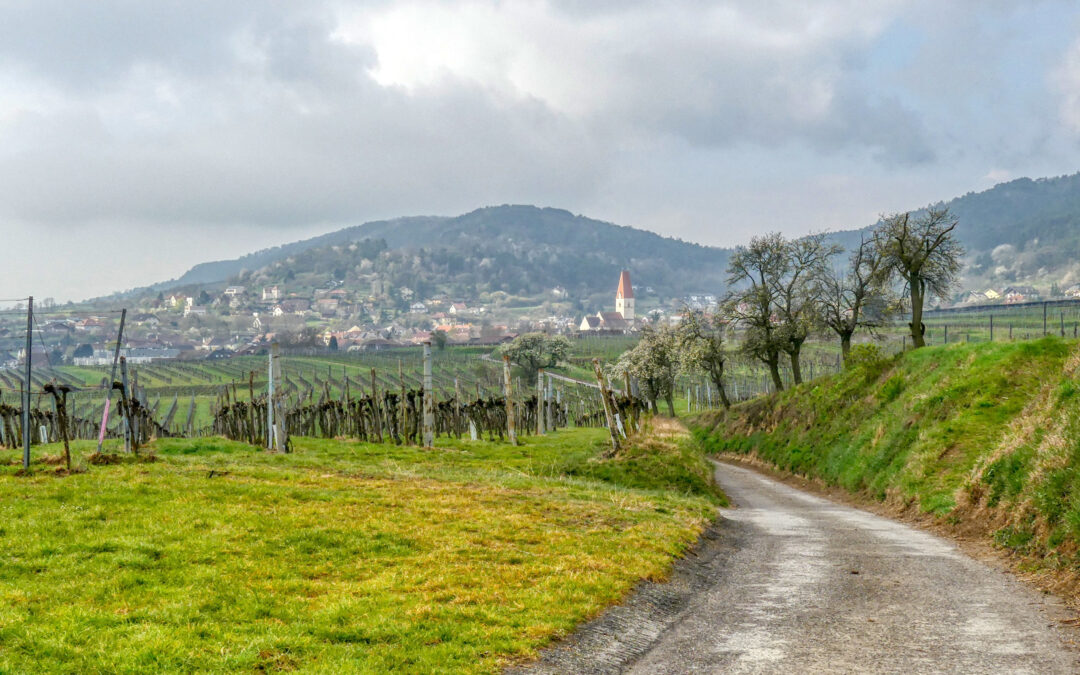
point(138, 138)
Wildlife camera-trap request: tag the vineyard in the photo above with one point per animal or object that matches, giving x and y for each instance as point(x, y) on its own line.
point(372, 397)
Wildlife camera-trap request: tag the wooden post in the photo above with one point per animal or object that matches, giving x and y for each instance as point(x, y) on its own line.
point(457, 408)
point(429, 399)
point(112, 378)
point(540, 402)
point(1045, 305)
point(403, 409)
point(991, 328)
point(609, 414)
point(630, 395)
point(508, 386)
point(549, 405)
point(130, 445)
point(375, 407)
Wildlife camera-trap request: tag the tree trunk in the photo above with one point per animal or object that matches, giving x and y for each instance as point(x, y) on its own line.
point(918, 296)
point(670, 404)
point(774, 371)
point(796, 366)
point(845, 345)
point(718, 382)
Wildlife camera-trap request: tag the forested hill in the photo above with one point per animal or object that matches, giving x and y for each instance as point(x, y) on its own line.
point(1022, 231)
point(522, 250)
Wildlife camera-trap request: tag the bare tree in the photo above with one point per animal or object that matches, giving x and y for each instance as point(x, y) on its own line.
point(701, 347)
point(796, 295)
point(924, 251)
point(753, 271)
point(856, 297)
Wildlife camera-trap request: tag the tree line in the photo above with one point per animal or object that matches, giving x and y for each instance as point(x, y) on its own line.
point(783, 291)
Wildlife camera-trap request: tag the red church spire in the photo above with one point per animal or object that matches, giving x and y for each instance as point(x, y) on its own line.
point(625, 289)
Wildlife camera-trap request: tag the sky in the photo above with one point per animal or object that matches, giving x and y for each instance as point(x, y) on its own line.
point(140, 138)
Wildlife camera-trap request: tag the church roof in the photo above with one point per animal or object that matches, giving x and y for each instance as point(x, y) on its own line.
point(625, 289)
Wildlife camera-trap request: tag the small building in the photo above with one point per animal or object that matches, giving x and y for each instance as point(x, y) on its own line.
point(233, 291)
point(272, 293)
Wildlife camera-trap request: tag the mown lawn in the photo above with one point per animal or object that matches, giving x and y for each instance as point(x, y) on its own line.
point(341, 557)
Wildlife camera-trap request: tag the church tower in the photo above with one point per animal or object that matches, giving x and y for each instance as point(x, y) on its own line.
point(624, 297)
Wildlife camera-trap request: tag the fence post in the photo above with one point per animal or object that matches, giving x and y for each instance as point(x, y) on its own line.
point(1045, 305)
point(991, 328)
point(946, 333)
point(429, 399)
point(508, 386)
point(26, 387)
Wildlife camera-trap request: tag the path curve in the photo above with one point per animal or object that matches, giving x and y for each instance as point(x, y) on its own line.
point(789, 582)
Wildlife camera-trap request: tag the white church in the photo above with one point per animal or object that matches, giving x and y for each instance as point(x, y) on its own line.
point(622, 319)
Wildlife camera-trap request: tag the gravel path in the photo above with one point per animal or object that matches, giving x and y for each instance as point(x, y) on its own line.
point(792, 583)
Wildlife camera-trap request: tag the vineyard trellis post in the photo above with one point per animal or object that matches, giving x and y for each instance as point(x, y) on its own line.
point(429, 399)
point(112, 378)
point(26, 385)
point(270, 390)
point(509, 386)
point(606, 400)
point(403, 408)
point(125, 399)
point(376, 411)
point(539, 402)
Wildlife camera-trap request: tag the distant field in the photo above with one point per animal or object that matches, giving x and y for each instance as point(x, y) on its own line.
point(341, 557)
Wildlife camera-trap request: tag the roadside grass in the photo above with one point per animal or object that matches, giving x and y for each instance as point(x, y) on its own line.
point(339, 557)
point(983, 434)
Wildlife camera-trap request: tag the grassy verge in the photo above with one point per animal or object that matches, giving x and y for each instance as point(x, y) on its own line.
point(341, 557)
point(983, 437)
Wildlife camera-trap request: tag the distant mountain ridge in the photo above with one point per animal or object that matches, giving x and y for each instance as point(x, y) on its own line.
point(1024, 230)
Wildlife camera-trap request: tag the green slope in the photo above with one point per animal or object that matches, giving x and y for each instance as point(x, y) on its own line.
point(986, 433)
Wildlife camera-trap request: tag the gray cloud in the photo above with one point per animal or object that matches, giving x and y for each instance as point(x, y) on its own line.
point(205, 116)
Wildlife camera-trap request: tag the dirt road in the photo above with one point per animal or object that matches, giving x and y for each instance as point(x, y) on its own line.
point(792, 583)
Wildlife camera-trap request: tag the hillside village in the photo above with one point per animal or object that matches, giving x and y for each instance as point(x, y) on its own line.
point(240, 320)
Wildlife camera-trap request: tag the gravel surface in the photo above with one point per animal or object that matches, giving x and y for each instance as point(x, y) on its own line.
point(792, 583)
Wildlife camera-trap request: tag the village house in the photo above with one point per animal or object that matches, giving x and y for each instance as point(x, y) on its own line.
point(1018, 294)
point(272, 293)
point(233, 291)
point(457, 308)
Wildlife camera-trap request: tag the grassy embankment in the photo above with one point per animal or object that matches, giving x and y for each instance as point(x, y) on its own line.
point(984, 437)
point(340, 557)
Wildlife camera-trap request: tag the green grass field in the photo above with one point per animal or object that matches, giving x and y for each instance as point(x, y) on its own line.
point(340, 557)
